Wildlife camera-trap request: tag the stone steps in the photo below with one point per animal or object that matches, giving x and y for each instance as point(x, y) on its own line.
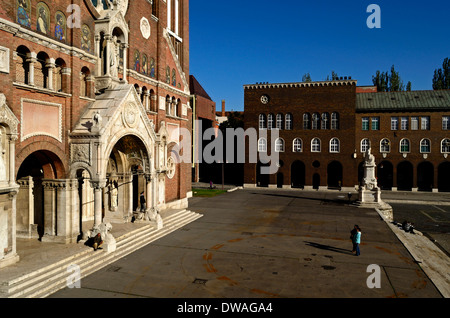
point(47, 280)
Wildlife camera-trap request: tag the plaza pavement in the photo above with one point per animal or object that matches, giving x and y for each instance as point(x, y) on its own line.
point(274, 243)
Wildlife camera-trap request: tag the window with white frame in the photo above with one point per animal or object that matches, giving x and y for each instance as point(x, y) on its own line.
point(425, 123)
point(315, 121)
point(394, 123)
point(335, 121)
point(325, 121)
point(365, 123)
point(297, 145)
point(262, 121)
point(262, 145)
point(279, 121)
point(425, 146)
point(385, 146)
point(365, 144)
point(404, 121)
point(315, 145)
point(414, 123)
point(279, 145)
point(288, 123)
point(270, 119)
point(375, 123)
point(306, 121)
point(445, 122)
point(334, 145)
point(445, 145)
point(404, 146)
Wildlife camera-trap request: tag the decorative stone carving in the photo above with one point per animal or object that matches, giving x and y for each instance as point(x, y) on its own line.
point(145, 28)
point(81, 153)
point(4, 59)
point(170, 167)
point(130, 115)
point(104, 229)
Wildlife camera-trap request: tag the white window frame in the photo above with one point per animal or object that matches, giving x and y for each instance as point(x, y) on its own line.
point(294, 149)
point(409, 145)
point(365, 123)
point(262, 145)
point(336, 146)
point(383, 150)
point(334, 121)
point(315, 121)
point(373, 121)
point(279, 121)
point(325, 121)
point(445, 122)
point(446, 140)
point(315, 146)
point(288, 122)
point(429, 145)
point(394, 123)
point(414, 123)
point(425, 123)
point(270, 121)
point(306, 121)
point(262, 121)
point(363, 145)
point(404, 123)
point(279, 145)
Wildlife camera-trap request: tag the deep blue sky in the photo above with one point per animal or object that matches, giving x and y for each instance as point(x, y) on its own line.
point(233, 43)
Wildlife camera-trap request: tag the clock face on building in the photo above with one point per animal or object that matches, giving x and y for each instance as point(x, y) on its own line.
point(264, 99)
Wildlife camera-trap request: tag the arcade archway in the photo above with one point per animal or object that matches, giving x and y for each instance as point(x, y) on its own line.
point(298, 174)
point(405, 174)
point(385, 175)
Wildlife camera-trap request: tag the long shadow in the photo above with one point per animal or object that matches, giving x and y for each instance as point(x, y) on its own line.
point(336, 201)
point(329, 248)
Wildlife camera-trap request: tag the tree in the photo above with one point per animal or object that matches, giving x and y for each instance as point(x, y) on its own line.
point(334, 76)
point(408, 87)
point(441, 78)
point(389, 82)
point(306, 78)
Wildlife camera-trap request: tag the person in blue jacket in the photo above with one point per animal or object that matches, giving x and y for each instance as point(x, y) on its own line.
point(357, 239)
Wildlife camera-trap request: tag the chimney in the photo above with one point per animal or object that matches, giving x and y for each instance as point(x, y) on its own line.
point(223, 108)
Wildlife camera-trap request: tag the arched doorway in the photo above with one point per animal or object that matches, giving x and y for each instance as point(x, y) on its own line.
point(334, 175)
point(36, 201)
point(126, 174)
point(385, 175)
point(280, 180)
point(298, 174)
point(405, 174)
point(443, 177)
point(425, 176)
point(316, 181)
point(262, 180)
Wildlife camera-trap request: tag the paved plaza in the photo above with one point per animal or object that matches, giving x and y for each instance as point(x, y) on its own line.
point(266, 244)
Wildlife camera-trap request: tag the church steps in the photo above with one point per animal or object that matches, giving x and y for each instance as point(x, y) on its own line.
point(46, 281)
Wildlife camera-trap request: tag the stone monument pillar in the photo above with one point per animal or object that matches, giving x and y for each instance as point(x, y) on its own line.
point(369, 192)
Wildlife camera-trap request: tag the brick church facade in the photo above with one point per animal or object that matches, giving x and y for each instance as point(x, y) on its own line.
point(324, 129)
point(93, 95)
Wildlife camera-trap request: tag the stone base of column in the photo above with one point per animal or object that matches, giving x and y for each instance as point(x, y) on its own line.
point(31, 233)
point(59, 239)
point(9, 260)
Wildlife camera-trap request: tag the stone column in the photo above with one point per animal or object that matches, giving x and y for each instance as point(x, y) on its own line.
point(25, 209)
point(31, 59)
point(147, 100)
point(90, 86)
point(125, 61)
point(66, 73)
point(98, 186)
point(97, 54)
point(67, 223)
point(50, 65)
point(49, 207)
point(148, 190)
point(107, 55)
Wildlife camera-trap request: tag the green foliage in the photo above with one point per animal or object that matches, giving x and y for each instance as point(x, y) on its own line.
point(441, 78)
point(235, 120)
point(306, 78)
point(389, 82)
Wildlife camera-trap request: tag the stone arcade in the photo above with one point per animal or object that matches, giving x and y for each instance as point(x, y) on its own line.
point(89, 116)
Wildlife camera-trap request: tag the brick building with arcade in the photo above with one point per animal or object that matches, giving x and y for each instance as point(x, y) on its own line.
point(93, 95)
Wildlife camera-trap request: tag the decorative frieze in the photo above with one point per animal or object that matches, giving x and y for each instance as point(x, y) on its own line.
point(4, 59)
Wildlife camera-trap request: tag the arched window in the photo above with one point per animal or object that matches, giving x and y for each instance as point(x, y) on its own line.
point(173, 108)
point(385, 146)
point(84, 87)
point(306, 121)
point(445, 145)
point(425, 146)
point(297, 145)
point(179, 108)
point(315, 145)
point(22, 57)
point(288, 123)
point(325, 121)
point(270, 121)
point(262, 121)
point(279, 121)
point(41, 70)
point(365, 144)
point(334, 145)
point(279, 145)
point(404, 146)
point(262, 145)
point(315, 121)
point(335, 121)
point(58, 75)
